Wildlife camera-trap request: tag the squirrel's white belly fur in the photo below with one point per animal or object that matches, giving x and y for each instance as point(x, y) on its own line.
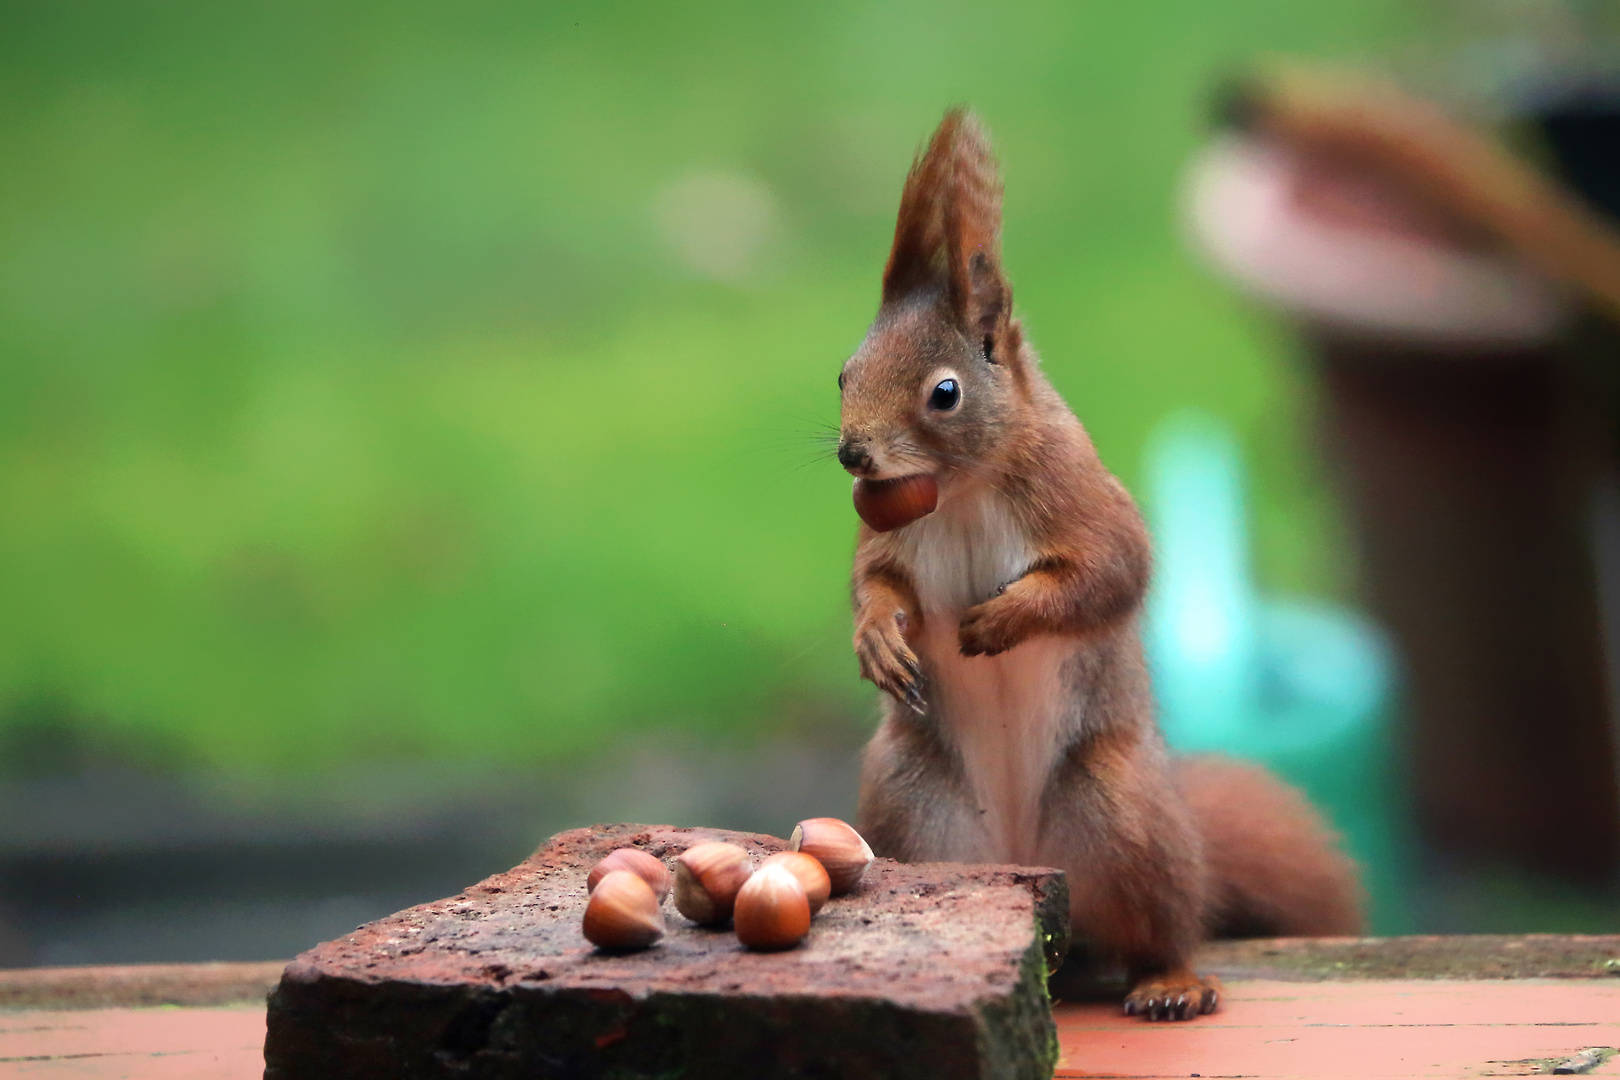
point(1003, 715)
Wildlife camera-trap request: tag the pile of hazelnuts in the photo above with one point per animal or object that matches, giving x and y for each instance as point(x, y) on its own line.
point(716, 883)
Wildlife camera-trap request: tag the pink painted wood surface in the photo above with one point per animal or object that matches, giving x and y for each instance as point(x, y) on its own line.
point(1354, 1029)
point(1266, 1029)
point(133, 1044)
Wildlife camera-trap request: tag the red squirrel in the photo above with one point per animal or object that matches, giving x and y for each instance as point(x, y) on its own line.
point(1002, 625)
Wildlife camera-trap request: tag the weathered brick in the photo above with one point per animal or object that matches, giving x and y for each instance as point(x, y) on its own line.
point(930, 971)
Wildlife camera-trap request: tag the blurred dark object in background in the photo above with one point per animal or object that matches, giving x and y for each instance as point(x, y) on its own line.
point(1582, 129)
point(1473, 500)
point(110, 861)
point(1459, 310)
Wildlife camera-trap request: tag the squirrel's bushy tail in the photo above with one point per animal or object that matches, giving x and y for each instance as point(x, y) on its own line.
point(1276, 868)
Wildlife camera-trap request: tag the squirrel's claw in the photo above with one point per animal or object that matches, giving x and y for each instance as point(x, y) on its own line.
point(914, 699)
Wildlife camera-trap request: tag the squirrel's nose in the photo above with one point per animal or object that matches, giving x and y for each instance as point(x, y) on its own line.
point(853, 456)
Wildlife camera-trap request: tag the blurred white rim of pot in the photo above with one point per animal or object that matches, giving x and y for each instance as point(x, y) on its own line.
point(1244, 211)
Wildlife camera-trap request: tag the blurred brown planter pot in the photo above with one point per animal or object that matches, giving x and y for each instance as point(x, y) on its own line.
point(1458, 310)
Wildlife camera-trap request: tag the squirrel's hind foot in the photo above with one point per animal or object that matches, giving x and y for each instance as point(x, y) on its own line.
point(1175, 995)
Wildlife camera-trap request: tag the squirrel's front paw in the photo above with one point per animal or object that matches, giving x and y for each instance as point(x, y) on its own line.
point(989, 628)
point(888, 661)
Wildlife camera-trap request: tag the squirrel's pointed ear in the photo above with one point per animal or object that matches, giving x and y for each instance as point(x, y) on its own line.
point(917, 259)
point(979, 293)
point(948, 236)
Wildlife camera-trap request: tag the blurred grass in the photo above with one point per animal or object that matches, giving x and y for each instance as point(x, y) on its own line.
point(353, 404)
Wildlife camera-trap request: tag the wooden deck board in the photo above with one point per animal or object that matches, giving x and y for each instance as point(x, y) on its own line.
point(1268, 1029)
point(174, 1043)
point(1366, 1029)
point(87, 1023)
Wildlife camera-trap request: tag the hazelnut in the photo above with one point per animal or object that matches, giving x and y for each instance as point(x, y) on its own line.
point(623, 912)
point(650, 869)
point(889, 504)
point(811, 874)
point(707, 877)
point(838, 848)
point(773, 911)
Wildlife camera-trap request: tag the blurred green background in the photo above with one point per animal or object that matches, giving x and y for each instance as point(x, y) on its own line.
point(440, 382)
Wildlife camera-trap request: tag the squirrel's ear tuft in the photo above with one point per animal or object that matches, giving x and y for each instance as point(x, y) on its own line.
point(949, 230)
point(917, 259)
point(979, 292)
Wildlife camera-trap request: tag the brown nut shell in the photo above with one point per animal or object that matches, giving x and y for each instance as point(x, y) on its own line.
point(837, 846)
point(707, 877)
point(773, 911)
point(811, 874)
point(889, 504)
point(623, 912)
point(650, 869)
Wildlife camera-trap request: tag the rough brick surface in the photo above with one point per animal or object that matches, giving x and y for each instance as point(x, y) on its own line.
point(928, 971)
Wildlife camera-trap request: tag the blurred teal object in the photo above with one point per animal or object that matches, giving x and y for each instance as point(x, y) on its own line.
point(1304, 687)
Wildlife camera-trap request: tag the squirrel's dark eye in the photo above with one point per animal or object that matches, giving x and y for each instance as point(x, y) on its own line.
point(840, 380)
point(945, 396)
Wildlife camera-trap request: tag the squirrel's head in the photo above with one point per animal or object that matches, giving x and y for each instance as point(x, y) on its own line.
point(936, 382)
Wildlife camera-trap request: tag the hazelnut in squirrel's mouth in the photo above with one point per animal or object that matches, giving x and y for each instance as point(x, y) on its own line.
point(889, 504)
